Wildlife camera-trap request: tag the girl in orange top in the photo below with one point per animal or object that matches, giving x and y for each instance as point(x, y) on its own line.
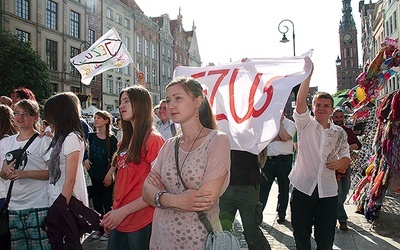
point(129, 222)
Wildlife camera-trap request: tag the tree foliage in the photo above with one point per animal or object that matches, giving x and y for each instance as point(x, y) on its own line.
point(21, 66)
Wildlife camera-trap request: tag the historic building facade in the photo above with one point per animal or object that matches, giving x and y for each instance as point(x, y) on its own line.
point(61, 29)
point(378, 21)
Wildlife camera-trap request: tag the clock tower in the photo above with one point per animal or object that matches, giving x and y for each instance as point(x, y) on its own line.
point(347, 68)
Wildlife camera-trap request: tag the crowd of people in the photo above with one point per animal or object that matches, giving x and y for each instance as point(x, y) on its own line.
point(150, 174)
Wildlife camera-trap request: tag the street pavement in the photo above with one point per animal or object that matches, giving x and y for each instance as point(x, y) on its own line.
point(384, 234)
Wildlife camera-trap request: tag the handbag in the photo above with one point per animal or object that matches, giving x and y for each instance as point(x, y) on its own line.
point(5, 234)
point(215, 240)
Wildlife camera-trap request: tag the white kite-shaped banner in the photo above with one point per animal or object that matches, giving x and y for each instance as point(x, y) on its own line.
point(248, 97)
point(106, 53)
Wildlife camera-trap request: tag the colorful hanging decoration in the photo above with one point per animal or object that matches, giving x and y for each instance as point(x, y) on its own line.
point(376, 74)
point(383, 172)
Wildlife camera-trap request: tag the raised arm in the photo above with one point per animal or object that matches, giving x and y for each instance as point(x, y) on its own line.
point(301, 102)
point(140, 78)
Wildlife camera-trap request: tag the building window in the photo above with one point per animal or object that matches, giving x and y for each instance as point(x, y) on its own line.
point(22, 35)
point(153, 77)
point(74, 52)
point(118, 19)
point(127, 43)
point(169, 53)
point(75, 89)
point(391, 24)
point(91, 5)
point(153, 51)
point(109, 87)
point(51, 54)
point(146, 73)
point(118, 87)
point(163, 69)
point(127, 23)
point(146, 47)
point(109, 13)
point(54, 87)
point(118, 70)
point(138, 45)
point(163, 50)
point(74, 24)
point(127, 70)
point(22, 8)
point(91, 36)
point(51, 15)
point(387, 29)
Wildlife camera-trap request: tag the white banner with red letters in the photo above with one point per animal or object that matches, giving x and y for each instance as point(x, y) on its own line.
point(248, 97)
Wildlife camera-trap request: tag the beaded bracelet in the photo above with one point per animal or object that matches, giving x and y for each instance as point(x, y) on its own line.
point(157, 198)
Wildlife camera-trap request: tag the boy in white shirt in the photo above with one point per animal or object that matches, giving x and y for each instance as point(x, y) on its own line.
point(323, 148)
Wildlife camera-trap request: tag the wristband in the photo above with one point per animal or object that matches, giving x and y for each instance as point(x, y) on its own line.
point(157, 198)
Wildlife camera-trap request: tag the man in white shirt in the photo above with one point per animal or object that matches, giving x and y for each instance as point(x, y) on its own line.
point(165, 125)
point(323, 149)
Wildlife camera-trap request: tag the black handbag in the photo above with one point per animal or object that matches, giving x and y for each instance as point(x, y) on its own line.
point(215, 240)
point(5, 234)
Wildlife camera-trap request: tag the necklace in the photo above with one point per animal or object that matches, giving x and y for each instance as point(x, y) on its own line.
point(178, 184)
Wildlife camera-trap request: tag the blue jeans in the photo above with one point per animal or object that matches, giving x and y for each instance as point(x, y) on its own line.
point(246, 200)
point(137, 240)
point(279, 167)
point(343, 190)
point(312, 210)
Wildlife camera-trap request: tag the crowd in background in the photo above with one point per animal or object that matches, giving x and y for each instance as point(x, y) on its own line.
point(151, 171)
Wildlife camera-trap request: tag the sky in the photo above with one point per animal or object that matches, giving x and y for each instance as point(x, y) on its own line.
point(231, 30)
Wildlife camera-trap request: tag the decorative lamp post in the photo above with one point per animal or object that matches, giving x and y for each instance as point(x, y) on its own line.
point(82, 97)
point(283, 29)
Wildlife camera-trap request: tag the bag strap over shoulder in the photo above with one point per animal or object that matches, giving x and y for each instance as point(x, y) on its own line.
point(201, 214)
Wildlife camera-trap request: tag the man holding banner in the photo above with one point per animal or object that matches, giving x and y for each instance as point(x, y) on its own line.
point(323, 149)
point(243, 194)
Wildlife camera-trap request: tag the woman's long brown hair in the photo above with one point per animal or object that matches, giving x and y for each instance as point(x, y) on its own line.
point(134, 137)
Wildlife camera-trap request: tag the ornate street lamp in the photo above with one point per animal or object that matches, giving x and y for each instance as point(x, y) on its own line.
point(82, 97)
point(283, 29)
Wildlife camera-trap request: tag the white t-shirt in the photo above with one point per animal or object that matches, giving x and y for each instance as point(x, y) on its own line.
point(71, 144)
point(29, 193)
point(283, 147)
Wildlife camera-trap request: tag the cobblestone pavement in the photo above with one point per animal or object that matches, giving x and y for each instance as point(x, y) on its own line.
point(384, 234)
